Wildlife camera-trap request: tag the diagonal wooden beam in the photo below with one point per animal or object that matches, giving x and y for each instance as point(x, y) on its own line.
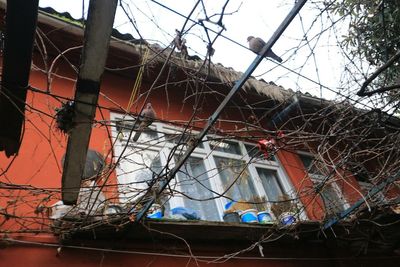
point(94, 54)
point(21, 19)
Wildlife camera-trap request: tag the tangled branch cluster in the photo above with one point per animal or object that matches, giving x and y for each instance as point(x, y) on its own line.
point(347, 137)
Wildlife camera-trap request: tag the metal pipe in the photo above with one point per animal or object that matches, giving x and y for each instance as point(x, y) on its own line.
point(213, 118)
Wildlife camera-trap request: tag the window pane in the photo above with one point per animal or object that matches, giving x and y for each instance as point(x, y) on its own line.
point(332, 202)
point(236, 179)
point(225, 146)
point(125, 128)
point(147, 135)
point(377, 200)
point(196, 188)
point(135, 173)
point(124, 125)
point(255, 153)
point(179, 139)
point(332, 198)
point(271, 184)
point(307, 161)
point(311, 165)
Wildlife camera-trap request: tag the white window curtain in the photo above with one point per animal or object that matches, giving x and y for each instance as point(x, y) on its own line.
point(196, 189)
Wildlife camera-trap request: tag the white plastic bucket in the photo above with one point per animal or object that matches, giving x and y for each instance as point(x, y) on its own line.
point(249, 216)
point(287, 218)
point(264, 217)
point(155, 212)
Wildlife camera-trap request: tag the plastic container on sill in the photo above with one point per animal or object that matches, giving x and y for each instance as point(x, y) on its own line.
point(249, 216)
point(265, 217)
point(232, 217)
point(155, 212)
point(287, 218)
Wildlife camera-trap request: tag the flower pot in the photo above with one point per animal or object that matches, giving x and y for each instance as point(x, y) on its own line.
point(155, 212)
point(264, 217)
point(229, 204)
point(232, 217)
point(249, 216)
point(113, 209)
point(287, 218)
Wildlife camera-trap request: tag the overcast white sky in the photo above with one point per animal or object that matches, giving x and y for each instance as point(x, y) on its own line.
point(256, 17)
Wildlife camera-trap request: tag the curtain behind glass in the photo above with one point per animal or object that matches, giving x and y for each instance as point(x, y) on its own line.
point(196, 185)
point(236, 180)
point(271, 184)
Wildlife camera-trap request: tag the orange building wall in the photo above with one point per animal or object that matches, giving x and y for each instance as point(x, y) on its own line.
point(38, 164)
point(302, 183)
point(33, 256)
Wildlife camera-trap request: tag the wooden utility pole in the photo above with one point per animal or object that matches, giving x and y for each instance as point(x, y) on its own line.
point(94, 54)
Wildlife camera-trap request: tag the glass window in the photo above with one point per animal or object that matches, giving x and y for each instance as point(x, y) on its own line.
point(332, 199)
point(225, 146)
point(236, 179)
point(215, 173)
point(310, 164)
point(125, 130)
point(136, 172)
point(271, 183)
point(178, 139)
point(307, 161)
point(196, 189)
point(124, 125)
point(255, 153)
point(330, 193)
point(377, 200)
point(147, 135)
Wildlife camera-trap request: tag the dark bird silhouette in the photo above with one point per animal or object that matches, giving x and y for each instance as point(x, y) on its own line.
point(145, 119)
point(180, 44)
point(256, 44)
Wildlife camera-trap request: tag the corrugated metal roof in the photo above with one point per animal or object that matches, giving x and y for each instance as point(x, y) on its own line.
point(128, 43)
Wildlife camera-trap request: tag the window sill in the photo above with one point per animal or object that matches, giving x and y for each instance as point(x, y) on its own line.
point(194, 230)
point(222, 237)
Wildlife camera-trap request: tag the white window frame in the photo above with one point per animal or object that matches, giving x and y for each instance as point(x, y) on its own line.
point(206, 154)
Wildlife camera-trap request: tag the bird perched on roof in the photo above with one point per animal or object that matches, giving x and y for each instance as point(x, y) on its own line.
point(145, 119)
point(256, 44)
point(180, 44)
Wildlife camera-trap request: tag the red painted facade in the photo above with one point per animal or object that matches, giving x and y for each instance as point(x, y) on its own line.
point(38, 165)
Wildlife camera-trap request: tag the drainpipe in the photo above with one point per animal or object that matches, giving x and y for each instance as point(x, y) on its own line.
point(21, 19)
